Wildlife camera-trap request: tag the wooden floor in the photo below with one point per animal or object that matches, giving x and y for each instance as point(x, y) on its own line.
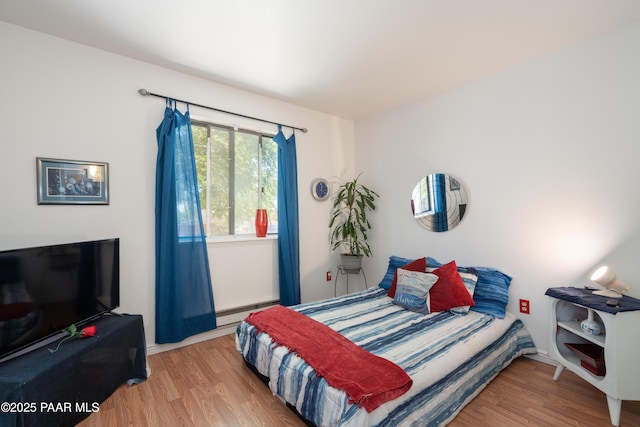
point(207, 384)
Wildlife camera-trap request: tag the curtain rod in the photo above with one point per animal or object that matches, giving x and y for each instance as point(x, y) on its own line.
point(145, 92)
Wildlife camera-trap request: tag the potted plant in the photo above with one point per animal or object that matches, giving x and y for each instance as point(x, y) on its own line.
point(349, 223)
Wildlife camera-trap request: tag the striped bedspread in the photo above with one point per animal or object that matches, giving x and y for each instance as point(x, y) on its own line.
point(449, 357)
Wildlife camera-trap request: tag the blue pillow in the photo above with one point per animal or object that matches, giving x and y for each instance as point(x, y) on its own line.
point(491, 293)
point(433, 263)
point(395, 262)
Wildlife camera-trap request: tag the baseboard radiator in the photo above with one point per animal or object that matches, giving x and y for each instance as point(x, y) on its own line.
point(226, 321)
point(235, 315)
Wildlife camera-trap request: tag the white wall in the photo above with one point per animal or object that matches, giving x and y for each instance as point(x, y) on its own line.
point(65, 100)
point(548, 153)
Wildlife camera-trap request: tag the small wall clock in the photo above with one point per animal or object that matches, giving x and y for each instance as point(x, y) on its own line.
point(320, 189)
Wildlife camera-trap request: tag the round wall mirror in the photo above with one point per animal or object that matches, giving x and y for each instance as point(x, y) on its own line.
point(438, 202)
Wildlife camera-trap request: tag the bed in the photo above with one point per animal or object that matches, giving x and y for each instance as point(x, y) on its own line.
point(449, 355)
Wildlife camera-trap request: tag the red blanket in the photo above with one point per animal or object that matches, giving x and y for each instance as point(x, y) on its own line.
point(367, 379)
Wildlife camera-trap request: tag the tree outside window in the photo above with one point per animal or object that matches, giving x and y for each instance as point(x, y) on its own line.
point(229, 164)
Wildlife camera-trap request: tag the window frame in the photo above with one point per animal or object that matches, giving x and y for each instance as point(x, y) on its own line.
point(206, 204)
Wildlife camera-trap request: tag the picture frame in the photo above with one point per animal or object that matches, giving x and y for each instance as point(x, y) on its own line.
point(72, 182)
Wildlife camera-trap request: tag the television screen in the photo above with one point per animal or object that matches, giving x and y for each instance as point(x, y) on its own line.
point(45, 289)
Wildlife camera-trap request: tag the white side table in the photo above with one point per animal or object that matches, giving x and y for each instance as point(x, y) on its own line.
point(619, 338)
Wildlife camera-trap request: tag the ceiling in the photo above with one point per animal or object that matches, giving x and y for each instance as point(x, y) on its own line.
point(349, 58)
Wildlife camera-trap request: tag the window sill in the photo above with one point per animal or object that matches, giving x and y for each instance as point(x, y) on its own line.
point(241, 238)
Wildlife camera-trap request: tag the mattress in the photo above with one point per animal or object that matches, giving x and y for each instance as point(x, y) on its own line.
point(450, 358)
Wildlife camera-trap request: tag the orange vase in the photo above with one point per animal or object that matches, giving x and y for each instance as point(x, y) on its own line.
point(261, 222)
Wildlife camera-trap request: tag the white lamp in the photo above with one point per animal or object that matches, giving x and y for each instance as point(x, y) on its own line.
point(606, 277)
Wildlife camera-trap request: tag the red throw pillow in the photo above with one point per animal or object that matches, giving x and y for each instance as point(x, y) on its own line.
point(449, 291)
point(417, 265)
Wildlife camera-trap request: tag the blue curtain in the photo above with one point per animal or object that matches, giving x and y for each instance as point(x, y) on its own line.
point(288, 235)
point(440, 220)
point(184, 297)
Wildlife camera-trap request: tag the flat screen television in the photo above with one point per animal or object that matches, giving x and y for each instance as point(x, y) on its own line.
point(45, 289)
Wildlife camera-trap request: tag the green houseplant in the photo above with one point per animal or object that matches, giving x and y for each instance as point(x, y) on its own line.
point(349, 223)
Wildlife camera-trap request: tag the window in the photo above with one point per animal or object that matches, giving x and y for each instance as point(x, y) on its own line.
point(236, 168)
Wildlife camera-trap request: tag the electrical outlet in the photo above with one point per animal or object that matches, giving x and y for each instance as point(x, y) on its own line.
point(525, 306)
point(328, 275)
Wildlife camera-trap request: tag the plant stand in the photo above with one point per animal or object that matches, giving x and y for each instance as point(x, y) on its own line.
point(347, 272)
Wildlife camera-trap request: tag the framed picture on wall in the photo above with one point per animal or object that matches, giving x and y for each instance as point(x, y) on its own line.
point(72, 182)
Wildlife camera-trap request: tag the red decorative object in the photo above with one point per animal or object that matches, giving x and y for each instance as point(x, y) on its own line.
point(261, 222)
point(74, 333)
point(89, 331)
point(591, 357)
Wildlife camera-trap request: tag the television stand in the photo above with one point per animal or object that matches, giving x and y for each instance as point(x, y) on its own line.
point(65, 387)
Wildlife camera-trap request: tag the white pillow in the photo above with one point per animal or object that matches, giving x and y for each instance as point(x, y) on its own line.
point(412, 290)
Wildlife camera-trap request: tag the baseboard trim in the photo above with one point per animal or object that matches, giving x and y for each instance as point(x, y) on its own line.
point(216, 333)
point(543, 356)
